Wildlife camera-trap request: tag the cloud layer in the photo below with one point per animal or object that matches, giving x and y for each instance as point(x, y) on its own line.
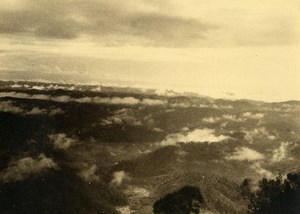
point(197, 135)
point(282, 153)
point(245, 154)
point(11, 107)
point(25, 167)
point(117, 22)
point(119, 177)
point(61, 141)
point(100, 100)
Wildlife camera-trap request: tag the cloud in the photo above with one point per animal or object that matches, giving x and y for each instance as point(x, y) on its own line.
point(8, 106)
point(55, 111)
point(89, 174)
point(211, 119)
point(167, 30)
point(38, 87)
point(282, 152)
point(101, 100)
point(233, 118)
point(153, 102)
point(258, 133)
point(215, 106)
point(245, 154)
point(36, 110)
point(261, 171)
point(250, 115)
point(56, 87)
point(128, 23)
point(124, 210)
point(25, 167)
point(118, 100)
point(122, 116)
point(119, 177)
point(61, 141)
point(197, 135)
point(156, 129)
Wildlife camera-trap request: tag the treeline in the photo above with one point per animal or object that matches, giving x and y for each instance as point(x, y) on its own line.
point(278, 196)
point(271, 196)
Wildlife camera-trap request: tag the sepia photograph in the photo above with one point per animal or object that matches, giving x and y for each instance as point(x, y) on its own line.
point(149, 107)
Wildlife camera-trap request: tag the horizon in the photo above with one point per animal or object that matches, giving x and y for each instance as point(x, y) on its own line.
point(143, 90)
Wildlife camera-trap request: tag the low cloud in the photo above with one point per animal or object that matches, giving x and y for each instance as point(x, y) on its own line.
point(38, 87)
point(55, 111)
point(224, 107)
point(197, 135)
point(100, 100)
point(25, 167)
point(156, 129)
point(122, 116)
point(11, 107)
point(153, 102)
point(286, 108)
point(250, 115)
point(282, 152)
point(89, 174)
point(211, 119)
point(258, 133)
point(261, 171)
point(36, 110)
point(119, 177)
point(61, 141)
point(233, 118)
point(124, 210)
point(245, 154)
point(8, 106)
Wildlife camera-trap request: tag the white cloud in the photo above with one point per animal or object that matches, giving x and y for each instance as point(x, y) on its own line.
point(56, 87)
point(245, 154)
point(261, 171)
point(141, 192)
point(153, 102)
point(122, 116)
point(119, 177)
point(61, 141)
point(8, 106)
point(250, 115)
point(38, 87)
point(102, 100)
point(215, 106)
point(211, 119)
point(124, 210)
point(23, 168)
point(197, 135)
point(233, 118)
point(16, 86)
point(56, 111)
point(158, 129)
point(36, 110)
point(89, 174)
point(257, 133)
point(282, 152)
point(118, 100)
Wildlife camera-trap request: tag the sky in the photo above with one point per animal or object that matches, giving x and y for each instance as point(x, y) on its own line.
point(225, 49)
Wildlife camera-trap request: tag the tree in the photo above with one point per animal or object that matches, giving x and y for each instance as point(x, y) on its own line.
point(277, 196)
point(187, 200)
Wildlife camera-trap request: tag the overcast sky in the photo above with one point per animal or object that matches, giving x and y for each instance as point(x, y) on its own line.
point(229, 48)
